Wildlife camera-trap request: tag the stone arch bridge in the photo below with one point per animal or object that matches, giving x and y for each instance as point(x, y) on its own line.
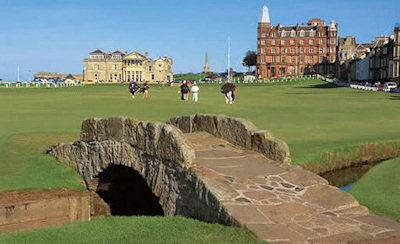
point(222, 169)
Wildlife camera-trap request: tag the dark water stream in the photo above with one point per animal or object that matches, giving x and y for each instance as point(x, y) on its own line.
point(346, 177)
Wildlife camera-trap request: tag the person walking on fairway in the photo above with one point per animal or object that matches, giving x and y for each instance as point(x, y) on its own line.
point(145, 90)
point(229, 90)
point(184, 89)
point(133, 88)
point(195, 92)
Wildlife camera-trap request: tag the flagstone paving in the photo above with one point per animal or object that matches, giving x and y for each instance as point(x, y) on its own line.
point(283, 203)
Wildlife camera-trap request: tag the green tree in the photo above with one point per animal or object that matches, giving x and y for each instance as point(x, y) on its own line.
point(250, 60)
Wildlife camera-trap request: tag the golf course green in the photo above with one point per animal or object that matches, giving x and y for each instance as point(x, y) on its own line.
point(326, 127)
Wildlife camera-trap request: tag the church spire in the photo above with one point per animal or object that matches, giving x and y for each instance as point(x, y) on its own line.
point(265, 15)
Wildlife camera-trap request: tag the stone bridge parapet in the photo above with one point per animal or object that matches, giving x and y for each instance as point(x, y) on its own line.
point(240, 132)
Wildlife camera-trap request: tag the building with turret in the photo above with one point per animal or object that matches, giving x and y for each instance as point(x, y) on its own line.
point(295, 50)
point(126, 67)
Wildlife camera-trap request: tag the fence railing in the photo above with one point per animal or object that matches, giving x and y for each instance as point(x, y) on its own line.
point(37, 85)
point(274, 80)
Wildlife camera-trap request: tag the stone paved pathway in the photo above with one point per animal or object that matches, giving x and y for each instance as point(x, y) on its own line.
point(284, 203)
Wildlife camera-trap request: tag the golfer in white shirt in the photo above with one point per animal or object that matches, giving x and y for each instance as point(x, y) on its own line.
point(195, 91)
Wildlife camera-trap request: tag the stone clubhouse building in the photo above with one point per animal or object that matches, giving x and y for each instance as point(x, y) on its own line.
point(295, 50)
point(126, 67)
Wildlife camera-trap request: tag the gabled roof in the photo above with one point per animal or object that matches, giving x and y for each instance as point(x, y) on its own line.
point(134, 55)
point(98, 51)
point(364, 45)
point(117, 52)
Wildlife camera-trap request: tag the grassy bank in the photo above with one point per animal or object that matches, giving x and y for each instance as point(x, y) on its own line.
point(351, 155)
point(134, 230)
point(379, 189)
point(24, 166)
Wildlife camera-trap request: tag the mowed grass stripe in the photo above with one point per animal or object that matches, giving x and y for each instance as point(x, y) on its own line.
point(134, 230)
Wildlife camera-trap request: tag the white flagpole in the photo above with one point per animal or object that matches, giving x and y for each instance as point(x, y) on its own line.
point(17, 73)
point(229, 59)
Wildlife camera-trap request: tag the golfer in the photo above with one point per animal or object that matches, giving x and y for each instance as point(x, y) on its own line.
point(184, 89)
point(133, 88)
point(229, 90)
point(145, 90)
point(195, 92)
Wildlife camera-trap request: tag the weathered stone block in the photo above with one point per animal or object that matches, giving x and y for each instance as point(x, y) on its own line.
point(89, 129)
point(184, 123)
point(205, 122)
point(330, 197)
point(235, 130)
point(266, 143)
point(114, 129)
point(110, 129)
point(302, 177)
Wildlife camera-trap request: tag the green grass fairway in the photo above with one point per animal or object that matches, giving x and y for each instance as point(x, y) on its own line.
point(379, 189)
point(134, 230)
point(319, 121)
point(325, 126)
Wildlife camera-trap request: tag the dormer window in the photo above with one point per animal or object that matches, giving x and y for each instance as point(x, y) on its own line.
point(293, 33)
point(312, 33)
point(283, 33)
point(302, 33)
point(96, 56)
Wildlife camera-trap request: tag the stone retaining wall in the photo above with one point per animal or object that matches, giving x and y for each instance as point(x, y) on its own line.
point(239, 132)
point(28, 210)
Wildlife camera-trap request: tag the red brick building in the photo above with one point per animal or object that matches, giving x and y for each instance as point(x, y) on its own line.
point(296, 50)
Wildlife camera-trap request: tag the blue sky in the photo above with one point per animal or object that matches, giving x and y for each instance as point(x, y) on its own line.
point(55, 35)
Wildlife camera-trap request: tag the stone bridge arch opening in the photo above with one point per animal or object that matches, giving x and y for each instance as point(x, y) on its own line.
point(126, 192)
